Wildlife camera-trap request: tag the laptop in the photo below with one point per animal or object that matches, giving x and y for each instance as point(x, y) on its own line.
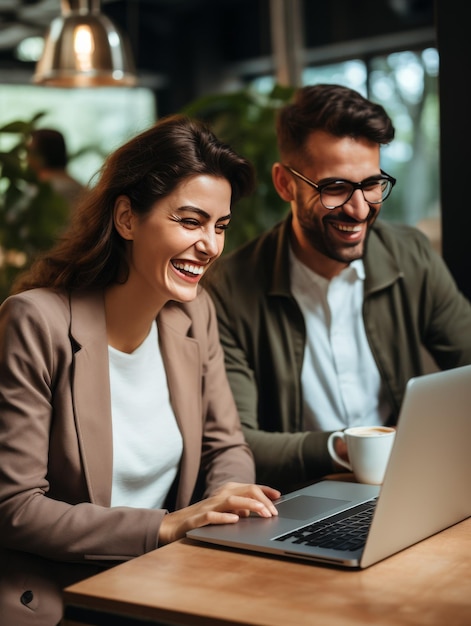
point(425, 490)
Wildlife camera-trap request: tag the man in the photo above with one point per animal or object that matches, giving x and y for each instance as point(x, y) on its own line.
point(323, 319)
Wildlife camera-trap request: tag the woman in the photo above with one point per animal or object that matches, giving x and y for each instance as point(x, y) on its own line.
point(115, 413)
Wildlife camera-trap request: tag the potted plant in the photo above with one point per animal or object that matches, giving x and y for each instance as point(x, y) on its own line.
point(246, 120)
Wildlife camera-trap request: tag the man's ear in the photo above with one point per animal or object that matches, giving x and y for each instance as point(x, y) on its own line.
point(123, 217)
point(283, 182)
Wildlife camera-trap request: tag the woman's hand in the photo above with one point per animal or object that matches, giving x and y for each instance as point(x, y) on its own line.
point(225, 506)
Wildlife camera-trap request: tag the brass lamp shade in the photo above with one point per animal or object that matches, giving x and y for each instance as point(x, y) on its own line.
point(83, 48)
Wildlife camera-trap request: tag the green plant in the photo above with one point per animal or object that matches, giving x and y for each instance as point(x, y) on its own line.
point(246, 120)
point(31, 212)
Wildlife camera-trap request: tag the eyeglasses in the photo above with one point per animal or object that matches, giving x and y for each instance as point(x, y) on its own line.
point(335, 193)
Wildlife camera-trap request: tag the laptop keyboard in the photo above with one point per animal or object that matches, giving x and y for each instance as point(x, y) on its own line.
point(345, 531)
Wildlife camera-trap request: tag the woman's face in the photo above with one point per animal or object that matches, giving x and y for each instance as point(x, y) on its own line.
point(172, 246)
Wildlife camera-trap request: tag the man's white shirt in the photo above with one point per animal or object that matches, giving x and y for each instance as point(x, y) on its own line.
point(340, 380)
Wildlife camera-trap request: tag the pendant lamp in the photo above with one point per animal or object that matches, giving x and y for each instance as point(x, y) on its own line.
point(83, 48)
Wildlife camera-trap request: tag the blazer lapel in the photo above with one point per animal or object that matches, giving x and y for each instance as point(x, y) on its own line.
point(183, 365)
point(91, 393)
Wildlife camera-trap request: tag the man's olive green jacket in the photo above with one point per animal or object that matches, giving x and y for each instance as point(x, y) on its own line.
point(411, 302)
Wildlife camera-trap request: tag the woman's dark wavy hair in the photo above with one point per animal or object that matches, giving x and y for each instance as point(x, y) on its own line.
point(338, 110)
point(91, 253)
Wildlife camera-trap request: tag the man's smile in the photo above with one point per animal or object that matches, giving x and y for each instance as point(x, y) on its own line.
point(348, 228)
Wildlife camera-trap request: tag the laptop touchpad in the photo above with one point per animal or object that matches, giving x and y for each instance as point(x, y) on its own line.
point(303, 507)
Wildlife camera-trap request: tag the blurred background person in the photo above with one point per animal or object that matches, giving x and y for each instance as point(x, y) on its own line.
point(47, 158)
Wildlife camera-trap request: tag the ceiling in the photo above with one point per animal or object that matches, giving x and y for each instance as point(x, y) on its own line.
point(179, 46)
point(23, 18)
point(27, 18)
point(183, 48)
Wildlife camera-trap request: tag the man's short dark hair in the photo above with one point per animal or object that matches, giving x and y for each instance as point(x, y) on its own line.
point(336, 109)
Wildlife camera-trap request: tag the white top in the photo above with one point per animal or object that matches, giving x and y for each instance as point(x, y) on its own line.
point(340, 380)
point(147, 444)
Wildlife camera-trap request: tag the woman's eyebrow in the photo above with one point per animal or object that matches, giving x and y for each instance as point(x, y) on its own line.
point(195, 209)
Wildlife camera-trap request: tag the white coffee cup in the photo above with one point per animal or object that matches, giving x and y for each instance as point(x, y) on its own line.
point(368, 448)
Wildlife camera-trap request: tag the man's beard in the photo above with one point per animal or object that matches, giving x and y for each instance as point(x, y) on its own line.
point(317, 231)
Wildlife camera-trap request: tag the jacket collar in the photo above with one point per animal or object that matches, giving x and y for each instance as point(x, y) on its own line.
point(280, 282)
point(91, 392)
point(381, 268)
point(183, 366)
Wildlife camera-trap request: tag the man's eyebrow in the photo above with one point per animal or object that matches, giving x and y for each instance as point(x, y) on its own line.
point(333, 179)
point(195, 209)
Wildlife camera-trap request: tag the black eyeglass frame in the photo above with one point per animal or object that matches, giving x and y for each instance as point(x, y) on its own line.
point(319, 187)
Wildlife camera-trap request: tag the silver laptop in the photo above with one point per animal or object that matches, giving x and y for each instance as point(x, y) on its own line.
point(427, 488)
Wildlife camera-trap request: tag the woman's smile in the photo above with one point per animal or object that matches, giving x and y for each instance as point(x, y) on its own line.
point(189, 270)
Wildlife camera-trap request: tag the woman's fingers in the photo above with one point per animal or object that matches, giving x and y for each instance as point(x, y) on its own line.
point(226, 506)
point(262, 494)
point(175, 525)
point(244, 505)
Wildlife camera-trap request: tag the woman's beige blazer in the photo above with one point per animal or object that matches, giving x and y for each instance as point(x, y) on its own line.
point(56, 524)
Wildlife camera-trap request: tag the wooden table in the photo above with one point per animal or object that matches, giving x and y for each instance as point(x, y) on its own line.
point(185, 583)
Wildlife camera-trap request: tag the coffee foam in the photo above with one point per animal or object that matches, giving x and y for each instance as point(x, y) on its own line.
point(369, 431)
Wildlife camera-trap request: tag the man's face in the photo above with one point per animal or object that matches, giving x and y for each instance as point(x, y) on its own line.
point(327, 240)
point(33, 159)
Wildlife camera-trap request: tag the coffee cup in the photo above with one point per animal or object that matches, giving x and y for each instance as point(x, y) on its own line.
point(368, 449)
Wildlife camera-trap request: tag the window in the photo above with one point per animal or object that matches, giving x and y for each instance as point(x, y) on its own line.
point(406, 84)
point(93, 121)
